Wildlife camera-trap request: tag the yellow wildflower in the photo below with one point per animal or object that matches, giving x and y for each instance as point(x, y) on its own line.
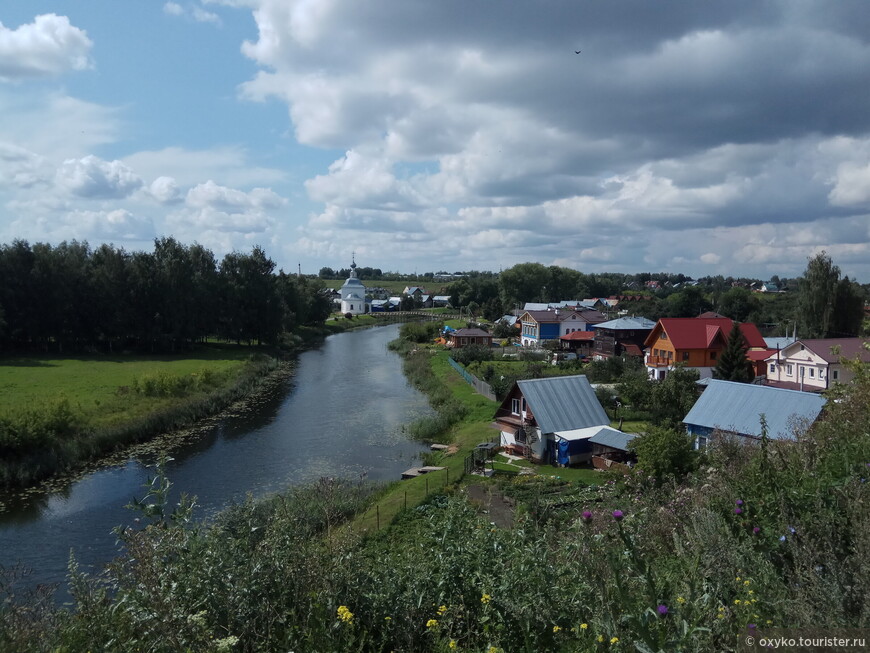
point(432, 623)
point(751, 592)
point(601, 638)
point(736, 601)
point(452, 644)
point(681, 600)
point(769, 622)
point(442, 609)
point(721, 608)
point(746, 582)
point(344, 614)
point(388, 618)
point(613, 640)
point(556, 629)
point(720, 616)
point(486, 598)
point(584, 626)
point(737, 579)
point(492, 649)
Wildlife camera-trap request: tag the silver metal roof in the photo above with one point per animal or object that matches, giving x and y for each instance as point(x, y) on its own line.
point(627, 323)
point(610, 437)
point(563, 403)
point(737, 407)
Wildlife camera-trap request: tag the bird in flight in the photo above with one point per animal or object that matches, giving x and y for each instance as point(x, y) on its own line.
point(577, 51)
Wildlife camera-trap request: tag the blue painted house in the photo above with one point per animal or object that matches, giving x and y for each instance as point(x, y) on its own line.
point(736, 408)
point(540, 326)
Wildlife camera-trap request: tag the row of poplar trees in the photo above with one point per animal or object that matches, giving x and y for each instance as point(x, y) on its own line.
point(70, 297)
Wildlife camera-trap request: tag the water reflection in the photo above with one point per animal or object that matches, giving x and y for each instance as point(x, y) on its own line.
point(342, 416)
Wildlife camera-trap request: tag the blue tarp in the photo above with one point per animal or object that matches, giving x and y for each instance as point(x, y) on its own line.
point(566, 449)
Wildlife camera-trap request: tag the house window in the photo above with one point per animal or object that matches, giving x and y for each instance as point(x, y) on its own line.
point(515, 406)
point(835, 375)
point(712, 355)
point(663, 336)
point(701, 442)
point(812, 373)
point(685, 356)
point(772, 368)
point(789, 369)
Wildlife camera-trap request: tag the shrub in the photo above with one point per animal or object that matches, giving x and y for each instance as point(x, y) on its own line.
point(664, 452)
point(471, 353)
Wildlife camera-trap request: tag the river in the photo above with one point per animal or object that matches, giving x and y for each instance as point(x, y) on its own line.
point(342, 415)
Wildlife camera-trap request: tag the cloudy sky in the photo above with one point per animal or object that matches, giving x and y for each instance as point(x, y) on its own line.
point(698, 137)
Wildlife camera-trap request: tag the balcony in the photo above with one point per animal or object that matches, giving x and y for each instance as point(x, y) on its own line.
point(658, 361)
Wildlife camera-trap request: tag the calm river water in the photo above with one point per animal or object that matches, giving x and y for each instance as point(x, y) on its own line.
point(342, 415)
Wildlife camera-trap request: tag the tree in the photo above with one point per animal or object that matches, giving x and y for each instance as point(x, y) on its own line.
point(738, 304)
point(665, 452)
point(673, 397)
point(688, 302)
point(828, 307)
point(733, 364)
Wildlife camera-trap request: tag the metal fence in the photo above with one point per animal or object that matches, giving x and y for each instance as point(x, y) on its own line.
point(481, 387)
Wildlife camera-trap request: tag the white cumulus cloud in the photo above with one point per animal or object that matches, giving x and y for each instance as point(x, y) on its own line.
point(91, 177)
point(50, 45)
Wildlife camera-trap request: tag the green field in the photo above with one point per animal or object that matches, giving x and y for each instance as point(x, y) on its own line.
point(101, 387)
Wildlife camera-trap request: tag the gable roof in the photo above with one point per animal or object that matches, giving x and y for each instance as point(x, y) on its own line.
point(563, 403)
point(821, 347)
point(627, 324)
point(610, 437)
point(470, 333)
point(702, 333)
point(737, 407)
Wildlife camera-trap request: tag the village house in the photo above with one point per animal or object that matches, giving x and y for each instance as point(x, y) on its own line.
point(551, 419)
point(694, 342)
point(578, 342)
point(736, 409)
point(624, 335)
point(540, 326)
point(813, 365)
point(464, 337)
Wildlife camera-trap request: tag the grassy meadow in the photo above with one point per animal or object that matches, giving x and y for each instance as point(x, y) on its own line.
point(56, 413)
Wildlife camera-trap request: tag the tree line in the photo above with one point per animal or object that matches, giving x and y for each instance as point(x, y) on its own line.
point(72, 297)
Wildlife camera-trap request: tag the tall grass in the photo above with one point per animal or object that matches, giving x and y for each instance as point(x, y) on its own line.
point(38, 442)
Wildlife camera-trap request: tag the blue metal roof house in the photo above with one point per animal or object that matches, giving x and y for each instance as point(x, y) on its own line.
point(551, 419)
point(736, 408)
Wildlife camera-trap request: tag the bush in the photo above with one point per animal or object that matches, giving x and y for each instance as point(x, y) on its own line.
point(471, 353)
point(665, 453)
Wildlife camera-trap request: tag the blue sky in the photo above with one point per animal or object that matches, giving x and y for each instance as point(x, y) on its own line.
point(704, 138)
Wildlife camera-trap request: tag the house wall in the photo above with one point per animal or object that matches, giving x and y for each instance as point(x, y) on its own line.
point(803, 364)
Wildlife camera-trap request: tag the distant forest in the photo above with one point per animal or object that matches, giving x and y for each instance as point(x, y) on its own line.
point(72, 298)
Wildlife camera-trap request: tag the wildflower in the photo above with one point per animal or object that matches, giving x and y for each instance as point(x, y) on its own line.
point(556, 629)
point(769, 622)
point(792, 530)
point(613, 640)
point(587, 516)
point(756, 530)
point(737, 579)
point(226, 643)
point(432, 623)
point(584, 626)
point(736, 601)
point(751, 592)
point(388, 618)
point(721, 608)
point(751, 626)
point(617, 515)
point(663, 609)
point(745, 582)
point(601, 638)
point(782, 538)
point(486, 598)
point(739, 502)
point(492, 649)
point(681, 600)
point(442, 609)
point(720, 616)
point(452, 644)
point(737, 511)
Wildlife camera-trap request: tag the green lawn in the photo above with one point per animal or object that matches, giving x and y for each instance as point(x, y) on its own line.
point(99, 386)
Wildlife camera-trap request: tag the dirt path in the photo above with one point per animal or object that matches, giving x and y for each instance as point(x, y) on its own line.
point(498, 508)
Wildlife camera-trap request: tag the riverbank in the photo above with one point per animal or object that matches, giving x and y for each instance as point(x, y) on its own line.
point(61, 417)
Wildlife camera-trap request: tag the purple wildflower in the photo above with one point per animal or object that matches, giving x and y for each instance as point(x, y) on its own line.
point(663, 609)
point(739, 502)
point(617, 515)
point(751, 626)
point(782, 538)
point(587, 516)
point(792, 530)
point(737, 511)
point(756, 530)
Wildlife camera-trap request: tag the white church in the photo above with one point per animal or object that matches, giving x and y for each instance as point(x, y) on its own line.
point(353, 294)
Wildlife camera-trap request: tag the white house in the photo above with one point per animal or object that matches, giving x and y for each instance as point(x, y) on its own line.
point(814, 364)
